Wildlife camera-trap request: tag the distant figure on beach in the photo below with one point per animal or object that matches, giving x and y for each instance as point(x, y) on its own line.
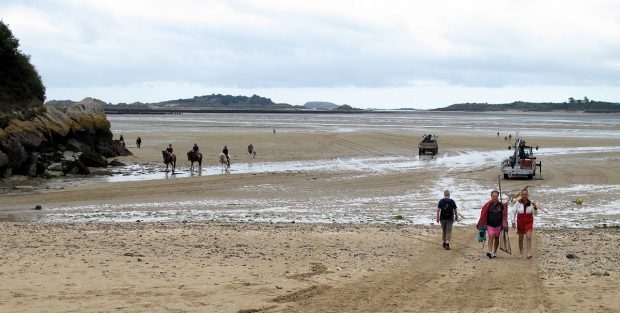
point(522, 214)
point(509, 136)
point(493, 219)
point(138, 142)
point(446, 215)
point(122, 140)
point(274, 130)
point(251, 151)
point(225, 151)
point(497, 134)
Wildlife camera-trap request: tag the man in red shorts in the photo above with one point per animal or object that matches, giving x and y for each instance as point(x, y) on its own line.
point(523, 212)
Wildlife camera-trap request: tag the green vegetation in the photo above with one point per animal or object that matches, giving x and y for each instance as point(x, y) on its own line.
point(224, 101)
point(21, 90)
point(585, 105)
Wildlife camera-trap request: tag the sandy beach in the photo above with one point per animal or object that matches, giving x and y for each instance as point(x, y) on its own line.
point(209, 267)
point(292, 240)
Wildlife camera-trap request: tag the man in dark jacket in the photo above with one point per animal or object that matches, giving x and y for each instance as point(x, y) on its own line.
point(446, 215)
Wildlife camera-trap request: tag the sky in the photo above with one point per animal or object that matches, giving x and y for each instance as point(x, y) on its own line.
point(369, 54)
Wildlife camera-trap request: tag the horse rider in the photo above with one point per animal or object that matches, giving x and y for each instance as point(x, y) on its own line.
point(225, 151)
point(251, 151)
point(169, 149)
point(195, 149)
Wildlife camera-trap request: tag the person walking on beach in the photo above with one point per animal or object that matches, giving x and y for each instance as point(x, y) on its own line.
point(446, 215)
point(522, 213)
point(274, 130)
point(138, 142)
point(493, 219)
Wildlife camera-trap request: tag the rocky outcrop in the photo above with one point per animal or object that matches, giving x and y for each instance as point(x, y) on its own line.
point(28, 147)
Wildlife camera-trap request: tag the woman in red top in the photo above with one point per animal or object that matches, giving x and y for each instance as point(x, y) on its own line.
point(494, 219)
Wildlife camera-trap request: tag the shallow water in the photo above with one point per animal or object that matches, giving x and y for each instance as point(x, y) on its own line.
point(532, 124)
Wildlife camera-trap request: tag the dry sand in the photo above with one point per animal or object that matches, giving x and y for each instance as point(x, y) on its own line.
point(247, 267)
point(208, 267)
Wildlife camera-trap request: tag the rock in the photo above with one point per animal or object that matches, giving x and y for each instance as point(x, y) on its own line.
point(75, 167)
point(13, 149)
point(26, 132)
point(84, 128)
point(4, 159)
point(116, 163)
point(7, 172)
point(34, 168)
point(120, 149)
point(93, 160)
point(106, 151)
point(71, 156)
point(599, 274)
point(78, 146)
point(572, 256)
point(57, 167)
point(24, 187)
point(133, 254)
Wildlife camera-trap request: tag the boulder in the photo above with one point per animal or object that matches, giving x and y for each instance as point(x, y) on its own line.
point(35, 165)
point(55, 167)
point(93, 160)
point(120, 148)
point(4, 159)
point(88, 116)
point(77, 146)
point(26, 132)
point(14, 150)
point(116, 163)
point(75, 167)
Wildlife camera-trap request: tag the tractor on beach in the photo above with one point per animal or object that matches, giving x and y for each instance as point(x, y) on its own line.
point(522, 162)
point(428, 145)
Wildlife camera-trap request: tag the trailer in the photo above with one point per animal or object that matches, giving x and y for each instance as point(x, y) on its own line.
point(522, 163)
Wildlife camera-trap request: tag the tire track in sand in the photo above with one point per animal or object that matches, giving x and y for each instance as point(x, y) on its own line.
point(460, 280)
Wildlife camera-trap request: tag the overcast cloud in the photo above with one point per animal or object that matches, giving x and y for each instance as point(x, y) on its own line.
point(388, 54)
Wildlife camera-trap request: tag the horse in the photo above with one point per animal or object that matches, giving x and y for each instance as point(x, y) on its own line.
point(194, 157)
point(224, 161)
point(169, 158)
point(251, 151)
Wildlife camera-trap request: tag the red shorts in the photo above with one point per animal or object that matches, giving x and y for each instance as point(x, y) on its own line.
point(525, 223)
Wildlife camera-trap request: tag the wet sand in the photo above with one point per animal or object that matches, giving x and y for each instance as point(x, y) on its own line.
point(191, 266)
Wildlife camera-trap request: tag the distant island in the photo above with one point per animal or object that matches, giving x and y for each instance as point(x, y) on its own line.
point(572, 105)
point(320, 105)
point(215, 103)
